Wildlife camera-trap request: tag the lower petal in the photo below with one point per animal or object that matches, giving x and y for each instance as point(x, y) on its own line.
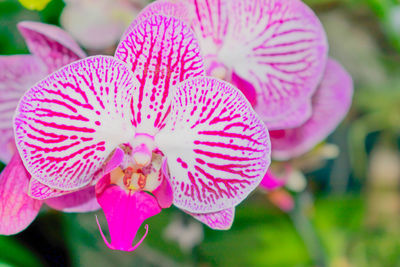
point(17, 209)
point(80, 201)
point(221, 220)
point(125, 212)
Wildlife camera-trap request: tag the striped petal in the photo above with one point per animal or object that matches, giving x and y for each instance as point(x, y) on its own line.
point(161, 52)
point(210, 21)
point(52, 45)
point(17, 75)
point(221, 220)
point(81, 201)
point(161, 7)
point(281, 41)
point(70, 123)
point(40, 191)
point(217, 148)
point(17, 209)
point(330, 105)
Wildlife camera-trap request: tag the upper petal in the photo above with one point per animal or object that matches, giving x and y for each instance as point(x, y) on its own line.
point(17, 209)
point(217, 148)
point(52, 45)
point(161, 52)
point(330, 104)
point(161, 7)
point(281, 41)
point(17, 75)
point(68, 125)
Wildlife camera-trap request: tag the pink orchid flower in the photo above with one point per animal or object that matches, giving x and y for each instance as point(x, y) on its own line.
point(275, 52)
point(51, 49)
point(147, 129)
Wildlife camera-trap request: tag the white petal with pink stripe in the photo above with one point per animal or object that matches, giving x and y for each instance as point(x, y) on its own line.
point(69, 123)
point(161, 52)
point(217, 148)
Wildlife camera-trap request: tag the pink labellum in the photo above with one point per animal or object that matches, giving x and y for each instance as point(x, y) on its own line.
point(293, 119)
point(221, 220)
point(161, 52)
point(330, 105)
point(52, 45)
point(18, 74)
point(80, 201)
point(217, 148)
point(163, 192)
point(282, 43)
point(272, 182)
point(125, 212)
point(68, 124)
point(165, 8)
point(17, 209)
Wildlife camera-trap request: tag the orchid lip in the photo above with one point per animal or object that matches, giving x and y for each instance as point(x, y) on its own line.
point(110, 246)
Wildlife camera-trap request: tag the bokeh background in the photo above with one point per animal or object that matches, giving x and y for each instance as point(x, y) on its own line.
point(346, 206)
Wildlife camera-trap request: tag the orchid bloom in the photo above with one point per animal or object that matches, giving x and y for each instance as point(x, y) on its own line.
point(99, 24)
point(275, 52)
point(51, 49)
point(147, 129)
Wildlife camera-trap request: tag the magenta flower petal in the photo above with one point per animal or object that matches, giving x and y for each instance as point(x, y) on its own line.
point(221, 220)
point(17, 209)
point(217, 148)
point(80, 201)
point(52, 45)
point(125, 212)
point(17, 75)
point(330, 104)
point(293, 119)
point(163, 192)
point(281, 41)
point(247, 88)
point(161, 52)
point(271, 182)
point(161, 7)
point(67, 125)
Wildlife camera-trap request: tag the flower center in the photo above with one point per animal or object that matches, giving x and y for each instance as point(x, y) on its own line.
point(141, 169)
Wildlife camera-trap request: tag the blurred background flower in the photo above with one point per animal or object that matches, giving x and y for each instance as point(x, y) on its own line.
point(99, 24)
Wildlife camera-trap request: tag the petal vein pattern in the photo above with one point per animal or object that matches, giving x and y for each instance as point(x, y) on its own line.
point(53, 46)
point(68, 124)
point(161, 52)
point(217, 148)
point(166, 8)
point(282, 43)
